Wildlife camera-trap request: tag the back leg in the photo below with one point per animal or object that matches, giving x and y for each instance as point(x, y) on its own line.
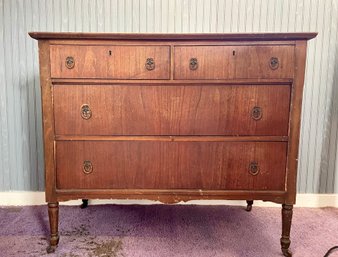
point(84, 204)
point(249, 205)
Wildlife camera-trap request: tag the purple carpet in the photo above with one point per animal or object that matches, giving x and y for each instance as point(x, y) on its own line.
point(166, 231)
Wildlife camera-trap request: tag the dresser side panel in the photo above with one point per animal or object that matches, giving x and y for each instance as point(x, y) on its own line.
point(48, 120)
point(295, 119)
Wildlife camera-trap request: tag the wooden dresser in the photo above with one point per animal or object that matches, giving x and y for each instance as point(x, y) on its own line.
point(172, 117)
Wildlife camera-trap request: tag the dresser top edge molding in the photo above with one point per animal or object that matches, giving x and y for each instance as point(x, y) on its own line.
point(175, 36)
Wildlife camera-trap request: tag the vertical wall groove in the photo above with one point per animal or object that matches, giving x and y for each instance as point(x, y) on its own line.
point(21, 152)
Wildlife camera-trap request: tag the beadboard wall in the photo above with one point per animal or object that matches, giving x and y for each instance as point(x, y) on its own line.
point(21, 150)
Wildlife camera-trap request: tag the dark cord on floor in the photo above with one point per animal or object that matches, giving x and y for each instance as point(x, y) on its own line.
point(331, 251)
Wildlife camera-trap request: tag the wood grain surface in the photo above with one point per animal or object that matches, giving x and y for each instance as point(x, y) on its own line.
point(172, 110)
point(47, 121)
point(170, 165)
point(295, 122)
point(174, 36)
point(117, 62)
point(175, 138)
point(228, 62)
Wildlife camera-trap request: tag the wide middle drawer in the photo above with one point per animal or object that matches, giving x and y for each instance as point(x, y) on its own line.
point(171, 110)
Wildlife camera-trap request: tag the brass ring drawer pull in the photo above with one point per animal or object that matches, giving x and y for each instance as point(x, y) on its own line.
point(274, 63)
point(254, 168)
point(256, 113)
point(150, 64)
point(193, 64)
point(70, 63)
point(86, 112)
point(87, 167)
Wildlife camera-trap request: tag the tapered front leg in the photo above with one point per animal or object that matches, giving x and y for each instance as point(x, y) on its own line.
point(53, 213)
point(286, 227)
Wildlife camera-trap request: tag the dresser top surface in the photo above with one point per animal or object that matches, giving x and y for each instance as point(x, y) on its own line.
point(174, 36)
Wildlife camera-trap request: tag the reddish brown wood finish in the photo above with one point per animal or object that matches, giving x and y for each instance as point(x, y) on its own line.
point(170, 165)
point(172, 133)
point(229, 62)
point(287, 211)
point(115, 62)
point(229, 82)
point(170, 196)
point(53, 213)
point(294, 125)
point(175, 36)
point(175, 138)
point(172, 110)
point(47, 120)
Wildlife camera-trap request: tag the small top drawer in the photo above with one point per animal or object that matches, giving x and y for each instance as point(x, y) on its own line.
point(233, 62)
point(110, 62)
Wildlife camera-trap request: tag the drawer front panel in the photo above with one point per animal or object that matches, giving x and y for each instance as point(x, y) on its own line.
point(233, 62)
point(171, 165)
point(110, 62)
point(171, 110)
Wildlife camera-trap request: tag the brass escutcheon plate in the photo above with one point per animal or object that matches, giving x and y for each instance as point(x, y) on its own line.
point(254, 168)
point(86, 112)
point(87, 167)
point(274, 63)
point(70, 62)
point(150, 64)
point(256, 113)
point(193, 64)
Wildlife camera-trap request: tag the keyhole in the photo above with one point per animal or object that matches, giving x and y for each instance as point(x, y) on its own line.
point(233, 52)
point(109, 52)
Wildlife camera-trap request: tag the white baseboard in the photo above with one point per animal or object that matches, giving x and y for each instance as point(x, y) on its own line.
point(22, 198)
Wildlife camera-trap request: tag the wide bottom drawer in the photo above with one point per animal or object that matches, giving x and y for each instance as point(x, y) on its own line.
point(171, 165)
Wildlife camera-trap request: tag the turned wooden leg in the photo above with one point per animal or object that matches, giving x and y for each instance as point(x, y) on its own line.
point(53, 213)
point(249, 205)
point(84, 203)
point(286, 227)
